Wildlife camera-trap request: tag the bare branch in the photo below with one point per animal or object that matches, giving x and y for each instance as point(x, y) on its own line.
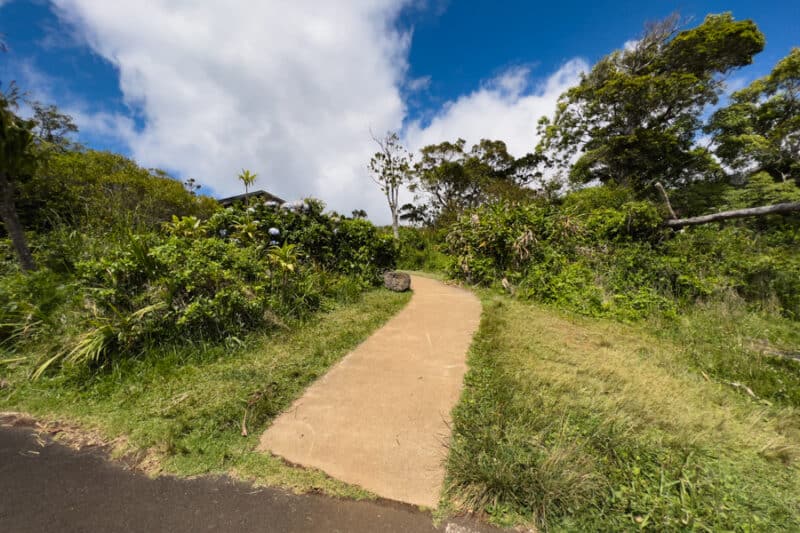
point(666, 199)
point(777, 209)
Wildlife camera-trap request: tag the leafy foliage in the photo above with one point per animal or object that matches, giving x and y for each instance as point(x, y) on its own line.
point(760, 129)
point(602, 254)
point(456, 179)
point(422, 249)
point(102, 190)
point(346, 246)
point(203, 281)
point(633, 119)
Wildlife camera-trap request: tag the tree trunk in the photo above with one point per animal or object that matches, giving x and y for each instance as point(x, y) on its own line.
point(11, 222)
point(395, 225)
point(788, 207)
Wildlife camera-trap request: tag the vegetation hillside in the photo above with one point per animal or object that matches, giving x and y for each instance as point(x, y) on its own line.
point(135, 307)
point(638, 363)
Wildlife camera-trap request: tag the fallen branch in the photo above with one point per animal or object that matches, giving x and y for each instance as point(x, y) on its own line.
point(777, 209)
point(745, 388)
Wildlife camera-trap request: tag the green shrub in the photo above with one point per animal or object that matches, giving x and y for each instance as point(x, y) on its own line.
point(421, 249)
point(102, 190)
point(592, 198)
point(243, 269)
point(631, 221)
point(352, 247)
point(28, 304)
point(602, 255)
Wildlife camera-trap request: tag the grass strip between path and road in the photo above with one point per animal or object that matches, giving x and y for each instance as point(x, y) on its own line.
point(572, 423)
point(183, 406)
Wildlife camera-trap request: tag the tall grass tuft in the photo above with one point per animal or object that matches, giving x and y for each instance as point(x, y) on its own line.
point(97, 344)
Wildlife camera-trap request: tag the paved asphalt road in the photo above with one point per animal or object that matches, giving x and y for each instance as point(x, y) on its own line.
point(54, 488)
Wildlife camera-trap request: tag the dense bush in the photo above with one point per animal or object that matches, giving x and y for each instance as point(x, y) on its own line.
point(421, 249)
point(115, 295)
point(353, 247)
point(28, 303)
point(602, 254)
point(94, 189)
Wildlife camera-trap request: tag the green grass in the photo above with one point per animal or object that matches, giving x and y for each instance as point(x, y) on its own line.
point(182, 407)
point(571, 423)
point(733, 344)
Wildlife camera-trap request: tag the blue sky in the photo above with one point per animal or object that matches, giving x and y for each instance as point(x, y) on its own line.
point(470, 41)
point(292, 90)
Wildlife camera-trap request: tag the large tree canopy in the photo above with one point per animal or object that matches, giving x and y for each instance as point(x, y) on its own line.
point(760, 129)
point(456, 178)
point(634, 118)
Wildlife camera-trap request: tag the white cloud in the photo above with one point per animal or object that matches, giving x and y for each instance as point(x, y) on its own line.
point(505, 108)
point(419, 84)
point(630, 45)
point(288, 90)
point(101, 124)
point(735, 84)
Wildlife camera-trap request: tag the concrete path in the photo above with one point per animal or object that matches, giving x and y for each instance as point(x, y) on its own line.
point(45, 486)
point(380, 418)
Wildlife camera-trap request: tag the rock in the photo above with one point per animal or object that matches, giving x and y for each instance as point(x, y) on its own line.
point(397, 281)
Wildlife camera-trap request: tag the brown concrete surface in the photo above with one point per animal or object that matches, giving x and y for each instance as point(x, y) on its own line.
point(45, 487)
point(380, 418)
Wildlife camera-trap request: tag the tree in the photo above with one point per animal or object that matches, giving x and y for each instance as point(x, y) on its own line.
point(16, 159)
point(359, 213)
point(442, 174)
point(391, 169)
point(191, 186)
point(416, 215)
point(456, 179)
point(248, 179)
point(634, 118)
point(760, 129)
point(52, 126)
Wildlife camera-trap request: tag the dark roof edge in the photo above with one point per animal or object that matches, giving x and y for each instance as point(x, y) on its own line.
point(257, 194)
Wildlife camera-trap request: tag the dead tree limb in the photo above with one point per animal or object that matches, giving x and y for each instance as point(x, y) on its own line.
point(665, 196)
point(777, 209)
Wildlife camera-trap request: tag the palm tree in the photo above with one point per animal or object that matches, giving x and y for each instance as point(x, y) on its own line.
point(248, 178)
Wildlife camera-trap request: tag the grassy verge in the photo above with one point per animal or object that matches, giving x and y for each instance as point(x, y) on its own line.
point(184, 406)
point(572, 423)
point(734, 345)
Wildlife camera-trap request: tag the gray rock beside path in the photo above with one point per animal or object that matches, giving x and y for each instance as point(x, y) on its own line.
point(397, 281)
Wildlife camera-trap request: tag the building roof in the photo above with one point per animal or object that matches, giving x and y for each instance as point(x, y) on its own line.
point(259, 194)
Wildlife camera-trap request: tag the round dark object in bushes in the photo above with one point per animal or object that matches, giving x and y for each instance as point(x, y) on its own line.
point(397, 281)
